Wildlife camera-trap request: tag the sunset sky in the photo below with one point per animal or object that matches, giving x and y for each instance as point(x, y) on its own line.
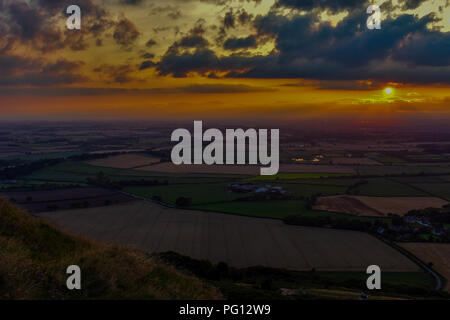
point(293, 59)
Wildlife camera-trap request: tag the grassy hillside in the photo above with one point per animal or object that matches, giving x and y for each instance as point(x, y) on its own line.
point(34, 257)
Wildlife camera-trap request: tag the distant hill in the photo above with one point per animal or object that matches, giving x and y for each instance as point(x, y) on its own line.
point(34, 256)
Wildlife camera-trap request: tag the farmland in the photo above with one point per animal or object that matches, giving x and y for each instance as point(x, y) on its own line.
point(441, 190)
point(385, 187)
point(376, 206)
point(436, 253)
point(203, 235)
point(64, 198)
point(307, 190)
point(74, 171)
point(320, 212)
point(263, 209)
point(124, 161)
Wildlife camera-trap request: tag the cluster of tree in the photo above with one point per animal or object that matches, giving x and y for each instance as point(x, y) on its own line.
point(102, 180)
point(398, 230)
point(262, 282)
point(311, 201)
point(434, 215)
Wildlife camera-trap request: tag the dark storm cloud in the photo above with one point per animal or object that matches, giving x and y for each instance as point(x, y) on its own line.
point(28, 21)
point(404, 50)
point(332, 5)
point(204, 61)
point(35, 24)
point(62, 66)
point(35, 72)
point(240, 43)
point(244, 17)
point(411, 4)
point(194, 38)
point(221, 2)
point(150, 43)
point(229, 20)
point(12, 64)
point(349, 43)
point(146, 65)
point(147, 55)
point(428, 49)
point(131, 2)
point(193, 41)
point(170, 11)
point(125, 33)
point(179, 65)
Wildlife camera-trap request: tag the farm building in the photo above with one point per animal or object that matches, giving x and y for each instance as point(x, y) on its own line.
point(254, 188)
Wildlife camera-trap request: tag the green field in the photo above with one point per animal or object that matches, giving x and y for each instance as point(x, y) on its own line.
point(400, 170)
point(307, 190)
point(67, 171)
point(264, 209)
point(278, 210)
point(441, 190)
point(420, 179)
point(384, 187)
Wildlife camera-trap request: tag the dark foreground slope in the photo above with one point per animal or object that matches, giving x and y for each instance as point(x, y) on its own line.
point(34, 256)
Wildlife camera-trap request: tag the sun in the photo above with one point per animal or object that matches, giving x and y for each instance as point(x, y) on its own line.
point(388, 90)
